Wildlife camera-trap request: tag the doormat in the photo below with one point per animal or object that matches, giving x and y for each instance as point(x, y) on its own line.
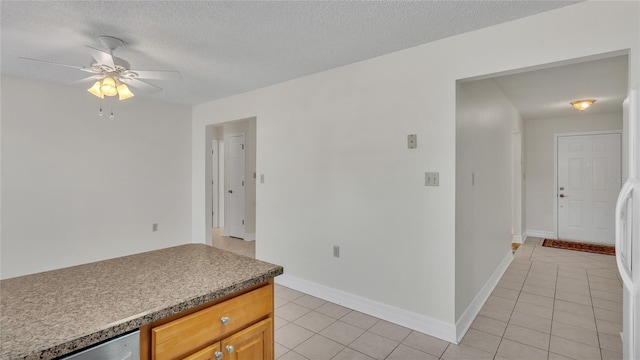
point(580, 246)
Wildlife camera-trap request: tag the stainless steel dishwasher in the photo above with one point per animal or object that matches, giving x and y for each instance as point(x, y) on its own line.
point(125, 347)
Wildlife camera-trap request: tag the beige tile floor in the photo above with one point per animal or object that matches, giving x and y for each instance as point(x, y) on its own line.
point(550, 304)
point(234, 245)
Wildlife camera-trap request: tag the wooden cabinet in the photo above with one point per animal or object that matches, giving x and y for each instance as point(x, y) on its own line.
point(254, 342)
point(236, 327)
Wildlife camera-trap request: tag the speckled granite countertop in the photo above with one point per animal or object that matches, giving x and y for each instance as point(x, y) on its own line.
point(54, 313)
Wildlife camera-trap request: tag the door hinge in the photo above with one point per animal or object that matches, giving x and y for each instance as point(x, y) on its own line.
point(243, 183)
point(242, 146)
point(242, 222)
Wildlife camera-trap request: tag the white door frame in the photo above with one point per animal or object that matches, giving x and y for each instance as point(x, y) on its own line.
point(555, 167)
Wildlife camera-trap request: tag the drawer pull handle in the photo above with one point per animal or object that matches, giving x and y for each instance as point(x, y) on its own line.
point(224, 320)
point(229, 349)
point(218, 355)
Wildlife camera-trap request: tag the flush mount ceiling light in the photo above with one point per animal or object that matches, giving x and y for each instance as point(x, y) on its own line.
point(582, 105)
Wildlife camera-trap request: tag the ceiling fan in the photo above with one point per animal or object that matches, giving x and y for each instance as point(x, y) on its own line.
point(112, 74)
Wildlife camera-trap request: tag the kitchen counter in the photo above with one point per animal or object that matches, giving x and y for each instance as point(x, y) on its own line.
point(50, 314)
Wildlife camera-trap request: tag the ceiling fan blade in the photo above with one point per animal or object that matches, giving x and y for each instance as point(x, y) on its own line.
point(101, 57)
point(157, 74)
point(58, 64)
point(141, 85)
point(87, 80)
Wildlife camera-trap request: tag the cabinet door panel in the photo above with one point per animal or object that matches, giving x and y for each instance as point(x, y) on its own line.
point(252, 343)
point(208, 353)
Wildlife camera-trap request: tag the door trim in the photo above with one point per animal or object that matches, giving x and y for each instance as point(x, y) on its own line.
point(555, 166)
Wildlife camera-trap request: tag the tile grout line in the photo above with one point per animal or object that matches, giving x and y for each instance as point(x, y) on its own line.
point(553, 309)
point(514, 306)
point(399, 343)
point(593, 309)
point(554, 298)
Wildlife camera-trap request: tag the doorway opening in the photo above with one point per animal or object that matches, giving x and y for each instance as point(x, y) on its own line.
point(506, 186)
point(231, 195)
point(541, 95)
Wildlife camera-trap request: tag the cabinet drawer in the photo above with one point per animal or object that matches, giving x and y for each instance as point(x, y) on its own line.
point(183, 336)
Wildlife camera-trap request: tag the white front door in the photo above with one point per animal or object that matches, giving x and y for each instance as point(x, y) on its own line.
point(588, 185)
point(235, 186)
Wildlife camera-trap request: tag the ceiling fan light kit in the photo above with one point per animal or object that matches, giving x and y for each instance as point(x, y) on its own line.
point(111, 74)
point(109, 87)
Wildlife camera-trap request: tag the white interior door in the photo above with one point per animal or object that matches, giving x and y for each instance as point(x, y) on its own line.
point(221, 187)
point(215, 218)
point(588, 185)
point(235, 186)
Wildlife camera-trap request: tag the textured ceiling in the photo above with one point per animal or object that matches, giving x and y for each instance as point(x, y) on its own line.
point(546, 93)
point(224, 48)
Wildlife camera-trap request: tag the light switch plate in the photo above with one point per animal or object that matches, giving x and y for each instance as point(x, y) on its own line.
point(432, 179)
point(412, 141)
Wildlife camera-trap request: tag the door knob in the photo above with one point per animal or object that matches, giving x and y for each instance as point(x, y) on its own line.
point(217, 355)
point(562, 195)
point(224, 320)
point(229, 349)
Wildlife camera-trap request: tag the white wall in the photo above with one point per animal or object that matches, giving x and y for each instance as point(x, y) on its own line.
point(485, 120)
point(540, 188)
point(78, 188)
point(337, 171)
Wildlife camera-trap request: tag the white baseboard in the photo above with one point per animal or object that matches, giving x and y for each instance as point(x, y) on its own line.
point(517, 239)
point(541, 234)
point(424, 324)
point(249, 237)
point(463, 324)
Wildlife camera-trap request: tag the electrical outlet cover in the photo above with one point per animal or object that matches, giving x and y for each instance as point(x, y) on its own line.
point(412, 141)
